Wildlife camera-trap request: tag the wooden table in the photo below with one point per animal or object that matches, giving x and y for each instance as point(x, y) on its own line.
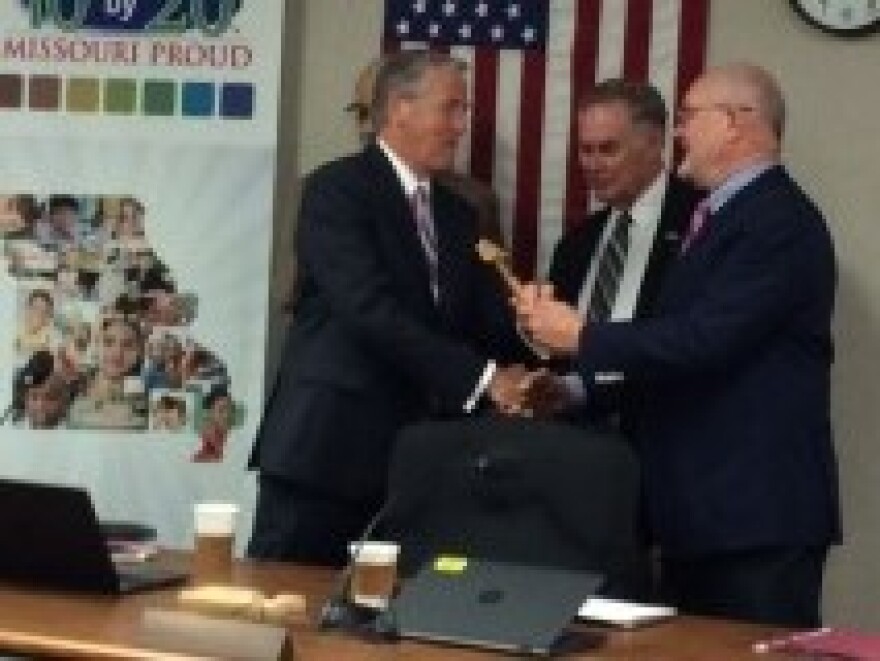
point(51, 624)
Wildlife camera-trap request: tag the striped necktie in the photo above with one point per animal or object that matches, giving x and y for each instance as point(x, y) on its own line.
point(421, 204)
point(609, 270)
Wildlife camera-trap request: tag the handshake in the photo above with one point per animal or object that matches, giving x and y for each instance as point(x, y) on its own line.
point(514, 390)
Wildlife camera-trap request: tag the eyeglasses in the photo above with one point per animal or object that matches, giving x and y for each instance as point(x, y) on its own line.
point(684, 114)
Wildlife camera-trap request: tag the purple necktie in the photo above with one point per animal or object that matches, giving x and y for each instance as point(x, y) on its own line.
point(698, 221)
point(421, 204)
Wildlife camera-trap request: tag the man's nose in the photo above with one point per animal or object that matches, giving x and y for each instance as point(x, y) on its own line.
point(591, 164)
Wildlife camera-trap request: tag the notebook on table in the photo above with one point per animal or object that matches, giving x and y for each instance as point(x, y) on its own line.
point(50, 537)
point(491, 604)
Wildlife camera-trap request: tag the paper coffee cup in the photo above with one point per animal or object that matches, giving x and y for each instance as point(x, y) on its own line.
point(214, 543)
point(216, 518)
point(374, 573)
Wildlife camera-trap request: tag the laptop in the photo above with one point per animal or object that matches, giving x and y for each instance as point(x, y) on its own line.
point(50, 537)
point(491, 604)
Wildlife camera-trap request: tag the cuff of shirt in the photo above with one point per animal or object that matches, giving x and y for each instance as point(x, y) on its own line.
point(574, 388)
point(485, 379)
point(540, 352)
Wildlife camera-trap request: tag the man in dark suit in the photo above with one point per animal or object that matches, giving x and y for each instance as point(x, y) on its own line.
point(621, 131)
point(739, 470)
point(395, 319)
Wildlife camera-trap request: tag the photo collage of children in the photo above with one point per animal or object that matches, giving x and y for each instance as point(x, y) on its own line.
point(102, 330)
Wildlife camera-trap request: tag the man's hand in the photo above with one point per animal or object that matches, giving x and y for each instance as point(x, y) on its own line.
point(544, 393)
point(505, 389)
point(551, 324)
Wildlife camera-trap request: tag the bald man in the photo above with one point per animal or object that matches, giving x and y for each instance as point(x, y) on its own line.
point(740, 476)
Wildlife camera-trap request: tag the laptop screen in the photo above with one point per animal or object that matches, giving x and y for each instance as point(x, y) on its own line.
point(51, 538)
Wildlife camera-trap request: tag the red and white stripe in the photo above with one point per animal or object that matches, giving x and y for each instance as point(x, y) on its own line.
point(522, 126)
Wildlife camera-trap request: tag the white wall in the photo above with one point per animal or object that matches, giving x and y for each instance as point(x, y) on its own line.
point(340, 37)
point(833, 148)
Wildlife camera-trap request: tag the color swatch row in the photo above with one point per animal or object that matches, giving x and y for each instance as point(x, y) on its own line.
point(127, 96)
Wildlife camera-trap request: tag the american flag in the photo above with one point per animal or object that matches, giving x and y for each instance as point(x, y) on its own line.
point(528, 61)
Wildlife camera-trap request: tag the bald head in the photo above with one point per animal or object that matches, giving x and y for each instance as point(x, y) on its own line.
point(751, 86)
point(731, 117)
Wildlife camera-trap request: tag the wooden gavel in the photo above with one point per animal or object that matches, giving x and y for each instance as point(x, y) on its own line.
point(494, 255)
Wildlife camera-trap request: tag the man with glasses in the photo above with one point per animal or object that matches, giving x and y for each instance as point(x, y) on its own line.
point(740, 477)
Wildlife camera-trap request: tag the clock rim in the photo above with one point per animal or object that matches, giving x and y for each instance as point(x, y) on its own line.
point(860, 31)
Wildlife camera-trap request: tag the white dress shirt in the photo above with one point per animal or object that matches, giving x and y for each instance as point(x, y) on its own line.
point(645, 213)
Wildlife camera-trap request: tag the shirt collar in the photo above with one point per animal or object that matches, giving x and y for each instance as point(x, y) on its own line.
point(646, 208)
point(735, 183)
point(408, 179)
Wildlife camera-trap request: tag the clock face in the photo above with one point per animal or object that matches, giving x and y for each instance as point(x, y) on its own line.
point(841, 17)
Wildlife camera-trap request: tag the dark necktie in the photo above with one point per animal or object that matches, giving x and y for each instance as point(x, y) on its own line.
point(609, 270)
point(421, 204)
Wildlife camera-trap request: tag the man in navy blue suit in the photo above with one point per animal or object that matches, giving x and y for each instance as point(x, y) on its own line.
point(395, 320)
point(740, 477)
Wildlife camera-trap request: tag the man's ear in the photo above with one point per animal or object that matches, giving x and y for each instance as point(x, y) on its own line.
point(400, 111)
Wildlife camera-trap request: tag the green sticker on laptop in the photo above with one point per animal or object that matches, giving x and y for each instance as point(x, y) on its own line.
point(450, 564)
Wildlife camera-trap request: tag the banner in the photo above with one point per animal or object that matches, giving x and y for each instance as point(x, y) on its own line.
point(136, 190)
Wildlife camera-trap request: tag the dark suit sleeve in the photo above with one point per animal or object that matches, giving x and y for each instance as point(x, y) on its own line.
point(557, 261)
point(560, 270)
point(767, 270)
point(338, 247)
point(572, 257)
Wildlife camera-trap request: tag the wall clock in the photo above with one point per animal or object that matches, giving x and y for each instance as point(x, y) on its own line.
point(844, 18)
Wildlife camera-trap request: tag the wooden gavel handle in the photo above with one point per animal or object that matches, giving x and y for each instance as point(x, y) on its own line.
point(492, 254)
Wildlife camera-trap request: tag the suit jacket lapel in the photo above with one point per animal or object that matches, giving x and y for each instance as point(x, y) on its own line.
point(450, 236)
point(678, 205)
point(721, 227)
point(397, 220)
point(583, 249)
point(724, 222)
